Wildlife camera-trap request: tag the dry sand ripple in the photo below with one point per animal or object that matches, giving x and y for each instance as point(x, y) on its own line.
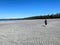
point(30, 32)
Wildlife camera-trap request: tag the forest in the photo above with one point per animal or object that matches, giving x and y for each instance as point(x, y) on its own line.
point(49, 16)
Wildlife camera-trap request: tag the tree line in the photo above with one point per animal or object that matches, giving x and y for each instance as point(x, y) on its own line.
point(51, 16)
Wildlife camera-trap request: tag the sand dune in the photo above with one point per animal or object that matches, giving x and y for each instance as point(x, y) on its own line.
point(30, 32)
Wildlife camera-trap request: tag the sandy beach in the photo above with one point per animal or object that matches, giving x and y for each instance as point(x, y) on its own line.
point(30, 32)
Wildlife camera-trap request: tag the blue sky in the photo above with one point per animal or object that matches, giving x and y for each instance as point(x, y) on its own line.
point(26, 8)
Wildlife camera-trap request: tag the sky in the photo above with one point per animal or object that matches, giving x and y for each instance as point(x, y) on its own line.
point(26, 8)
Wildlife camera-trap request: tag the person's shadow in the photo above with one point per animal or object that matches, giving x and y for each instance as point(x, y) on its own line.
point(44, 25)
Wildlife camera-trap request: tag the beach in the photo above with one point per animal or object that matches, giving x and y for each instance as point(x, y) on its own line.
point(30, 32)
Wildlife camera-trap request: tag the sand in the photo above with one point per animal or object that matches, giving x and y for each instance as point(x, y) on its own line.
point(30, 32)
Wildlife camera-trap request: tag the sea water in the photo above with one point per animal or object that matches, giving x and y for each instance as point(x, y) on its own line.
point(6, 21)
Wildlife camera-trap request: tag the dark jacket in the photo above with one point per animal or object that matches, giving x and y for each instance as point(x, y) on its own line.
point(45, 22)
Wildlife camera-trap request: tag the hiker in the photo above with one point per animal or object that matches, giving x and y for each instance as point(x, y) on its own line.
point(45, 22)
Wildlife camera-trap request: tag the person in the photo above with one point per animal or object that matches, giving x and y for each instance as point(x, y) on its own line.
point(45, 21)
